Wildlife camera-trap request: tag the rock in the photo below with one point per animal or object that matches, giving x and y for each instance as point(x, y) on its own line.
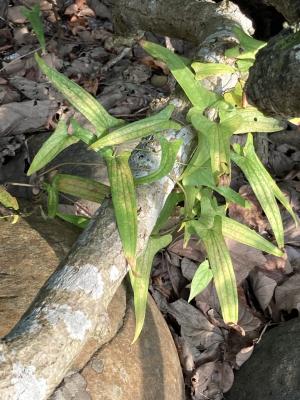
point(15, 15)
point(149, 369)
point(273, 371)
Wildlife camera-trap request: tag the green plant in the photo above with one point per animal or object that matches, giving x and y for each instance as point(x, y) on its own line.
point(215, 118)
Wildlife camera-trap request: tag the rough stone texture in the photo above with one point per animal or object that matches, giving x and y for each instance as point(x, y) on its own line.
point(290, 9)
point(273, 371)
point(146, 370)
point(273, 85)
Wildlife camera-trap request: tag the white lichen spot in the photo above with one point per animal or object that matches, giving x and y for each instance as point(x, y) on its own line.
point(114, 273)
point(76, 322)
point(85, 277)
point(27, 385)
point(297, 56)
point(2, 358)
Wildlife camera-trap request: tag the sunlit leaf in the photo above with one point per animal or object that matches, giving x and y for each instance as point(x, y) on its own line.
point(80, 222)
point(34, 17)
point(199, 158)
point(235, 96)
point(260, 182)
point(222, 269)
point(124, 202)
point(196, 93)
point(203, 70)
point(241, 233)
point(83, 101)
point(81, 133)
point(248, 44)
point(169, 150)
point(9, 201)
point(135, 130)
point(201, 279)
point(57, 142)
point(83, 188)
point(140, 281)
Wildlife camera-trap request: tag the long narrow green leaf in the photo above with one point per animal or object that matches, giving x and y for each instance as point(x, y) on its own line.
point(80, 187)
point(169, 152)
point(57, 142)
point(124, 202)
point(34, 17)
point(260, 183)
point(80, 222)
point(52, 200)
point(140, 281)
point(199, 158)
point(196, 93)
point(135, 130)
point(222, 269)
point(83, 101)
point(81, 133)
point(234, 230)
point(203, 70)
point(201, 279)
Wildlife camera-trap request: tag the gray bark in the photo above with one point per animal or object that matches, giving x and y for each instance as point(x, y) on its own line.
point(290, 9)
point(191, 20)
point(37, 353)
point(273, 85)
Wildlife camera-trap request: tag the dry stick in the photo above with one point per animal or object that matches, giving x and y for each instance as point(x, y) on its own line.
point(37, 353)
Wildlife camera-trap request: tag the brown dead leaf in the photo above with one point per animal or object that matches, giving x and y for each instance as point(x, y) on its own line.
point(155, 64)
point(243, 355)
point(287, 295)
point(263, 288)
point(193, 250)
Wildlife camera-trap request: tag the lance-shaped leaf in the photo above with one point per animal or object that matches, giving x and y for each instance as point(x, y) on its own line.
point(199, 157)
point(173, 199)
point(222, 269)
point(204, 177)
point(83, 188)
point(140, 281)
point(201, 279)
point(135, 130)
point(260, 182)
point(252, 120)
point(34, 17)
point(249, 45)
point(218, 136)
point(80, 222)
point(235, 96)
point(169, 150)
point(57, 142)
point(52, 200)
point(203, 70)
point(83, 101)
point(9, 201)
point(234, 230)
point(194, 90)
point(124, 202)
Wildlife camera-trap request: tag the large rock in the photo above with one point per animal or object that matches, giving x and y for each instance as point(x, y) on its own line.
point(149, 369)
point(273, 371)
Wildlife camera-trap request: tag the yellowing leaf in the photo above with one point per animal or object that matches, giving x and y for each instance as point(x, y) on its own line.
point(196, 93)
point(201, 279)
point(169, 152)
point(82, 188)
point(222, 269)
point(135, 130)
point(57, 142)
point(203, 70)
point(124, 202)
point(9, 201)
point(140, 281)
point(234, 230)
point(83, 101)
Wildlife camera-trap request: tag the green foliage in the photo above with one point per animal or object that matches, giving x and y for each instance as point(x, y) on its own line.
point(34, 17)
point(215, 118)
point(8, 201)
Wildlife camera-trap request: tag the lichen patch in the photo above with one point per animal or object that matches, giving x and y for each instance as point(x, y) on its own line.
point(114, 273)
point(76, 322)
point(86, 278)
point(27, 386)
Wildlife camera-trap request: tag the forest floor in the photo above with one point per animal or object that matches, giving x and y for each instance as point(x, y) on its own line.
point(81, 44)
